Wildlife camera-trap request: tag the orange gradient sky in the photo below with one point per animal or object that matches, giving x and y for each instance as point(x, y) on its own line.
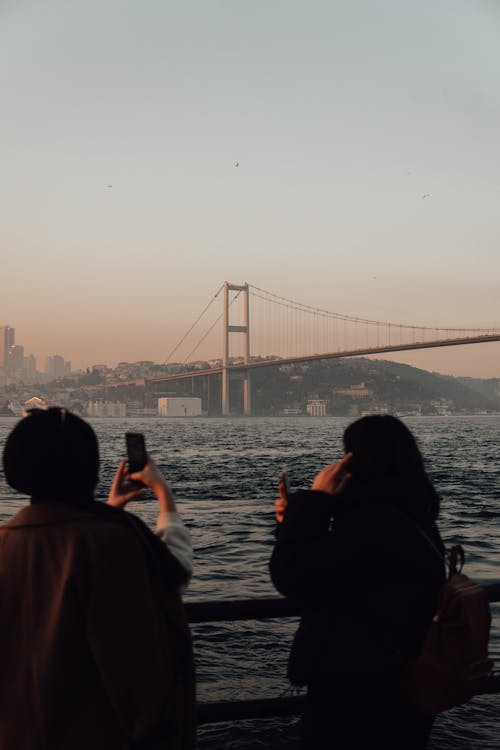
point(367, 140)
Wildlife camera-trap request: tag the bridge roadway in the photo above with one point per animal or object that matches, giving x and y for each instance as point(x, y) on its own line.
point(332, 355)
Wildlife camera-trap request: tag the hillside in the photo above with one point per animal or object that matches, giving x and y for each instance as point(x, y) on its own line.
point(350, 386)
point(347, 387)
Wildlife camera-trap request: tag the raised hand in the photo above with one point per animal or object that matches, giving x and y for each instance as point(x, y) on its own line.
point(333, 478)
point(121, 492)
point(281, 503)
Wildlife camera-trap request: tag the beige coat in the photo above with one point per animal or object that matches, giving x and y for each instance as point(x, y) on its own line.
point(95, 651)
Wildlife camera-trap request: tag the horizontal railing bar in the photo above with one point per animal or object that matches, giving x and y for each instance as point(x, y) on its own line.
point(241, 609)
point(265, 708)
point(492, 685)
point(257, 609)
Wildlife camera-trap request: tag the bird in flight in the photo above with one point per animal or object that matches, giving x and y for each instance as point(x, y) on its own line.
point(236, 164)
point(109, 186)
point(427, 195)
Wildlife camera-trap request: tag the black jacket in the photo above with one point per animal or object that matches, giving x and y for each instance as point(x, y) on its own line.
point(367, 575)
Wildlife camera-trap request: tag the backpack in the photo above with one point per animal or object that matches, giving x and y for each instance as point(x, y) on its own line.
point(453, 663)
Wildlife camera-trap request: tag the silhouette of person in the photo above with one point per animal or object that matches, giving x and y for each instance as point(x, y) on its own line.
point(352, 552)
point(94, 645)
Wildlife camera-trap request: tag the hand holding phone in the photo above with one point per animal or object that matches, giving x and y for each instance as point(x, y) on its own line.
point(123, 490)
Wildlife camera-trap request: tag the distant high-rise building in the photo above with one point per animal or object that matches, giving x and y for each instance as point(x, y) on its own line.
point(15, 359)
point(7, 338)
point(29, 365)
point(54, 366)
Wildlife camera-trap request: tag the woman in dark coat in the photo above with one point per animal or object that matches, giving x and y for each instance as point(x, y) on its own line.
point(95, 651)
point(362, 553)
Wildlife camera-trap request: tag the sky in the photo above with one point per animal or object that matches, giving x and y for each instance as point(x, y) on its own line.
point(368, 182)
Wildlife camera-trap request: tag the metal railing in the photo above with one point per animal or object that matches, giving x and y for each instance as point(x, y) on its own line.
point(230, 610)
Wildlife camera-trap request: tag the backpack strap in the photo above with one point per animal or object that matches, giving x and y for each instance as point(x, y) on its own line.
point(417, 528)
point(456, 559)
point(432, 544)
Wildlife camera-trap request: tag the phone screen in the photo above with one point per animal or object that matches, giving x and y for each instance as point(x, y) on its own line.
point(136, 451)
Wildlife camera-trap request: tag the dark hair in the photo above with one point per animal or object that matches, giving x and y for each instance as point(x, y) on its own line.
point(387, 465)
point(52, 454)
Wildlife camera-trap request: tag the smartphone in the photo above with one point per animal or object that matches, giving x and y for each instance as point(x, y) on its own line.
point(136, 451)
point(284, 481)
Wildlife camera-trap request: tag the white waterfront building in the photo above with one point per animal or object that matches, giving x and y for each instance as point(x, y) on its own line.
point(106, 409)
point(179, 406)
point(316, 407)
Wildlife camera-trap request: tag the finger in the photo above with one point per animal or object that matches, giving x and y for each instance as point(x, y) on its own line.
point(345, 460)
point(120, 470)
point(137, 476)
point(331, 468)
point(340, 486)
point(279, 511)
point(121, 466)
point(133, 494)
point(338, 469)
point(327, 474)
point(144, 478)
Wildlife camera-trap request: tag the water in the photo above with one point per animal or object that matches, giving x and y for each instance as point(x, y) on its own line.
point(224, 473)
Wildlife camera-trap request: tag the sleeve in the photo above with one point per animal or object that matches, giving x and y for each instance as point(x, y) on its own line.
point(171, 530)
point(128, 640)
point(315, 552)
point(303, 543)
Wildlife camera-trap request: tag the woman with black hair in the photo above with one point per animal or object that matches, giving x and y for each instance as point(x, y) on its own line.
point(95, 651)
point(362, 554)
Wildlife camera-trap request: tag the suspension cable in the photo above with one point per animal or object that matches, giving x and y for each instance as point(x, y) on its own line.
point(286, 302)
point(167, 360)
point(203, 338)
point(211, 327)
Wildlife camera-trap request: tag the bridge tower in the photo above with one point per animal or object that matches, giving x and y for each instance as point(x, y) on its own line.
point(227, 328)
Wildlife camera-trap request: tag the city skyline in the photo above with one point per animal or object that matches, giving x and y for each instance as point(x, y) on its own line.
point(343, 155)
point(15, 365)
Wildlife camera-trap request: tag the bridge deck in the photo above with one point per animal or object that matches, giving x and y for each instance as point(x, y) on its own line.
point(254, 365)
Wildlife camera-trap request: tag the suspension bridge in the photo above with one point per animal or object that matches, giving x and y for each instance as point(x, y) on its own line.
point(286, 332)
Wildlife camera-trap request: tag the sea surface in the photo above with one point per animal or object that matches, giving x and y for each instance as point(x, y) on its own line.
point(225, 472)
